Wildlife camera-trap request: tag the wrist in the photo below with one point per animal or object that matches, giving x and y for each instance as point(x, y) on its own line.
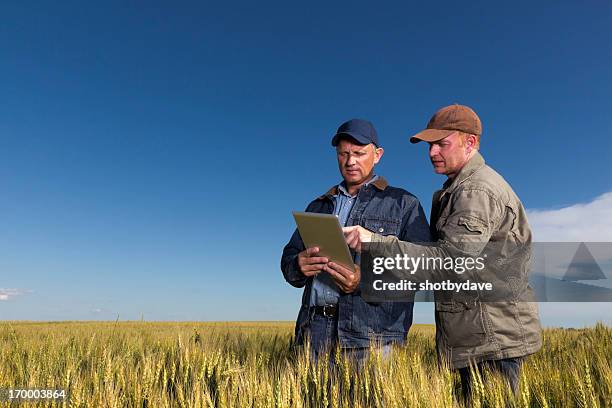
point(375, 238)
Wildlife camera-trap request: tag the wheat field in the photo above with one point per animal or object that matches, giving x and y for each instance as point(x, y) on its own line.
point(251, 364)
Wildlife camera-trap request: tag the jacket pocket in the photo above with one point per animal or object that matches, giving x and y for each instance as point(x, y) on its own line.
point(389, 318)
point(384, 318)
point(461, 324)
point(473, 224)
point(382, 226)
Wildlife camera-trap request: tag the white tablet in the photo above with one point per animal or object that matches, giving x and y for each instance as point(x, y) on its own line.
point(324, 231)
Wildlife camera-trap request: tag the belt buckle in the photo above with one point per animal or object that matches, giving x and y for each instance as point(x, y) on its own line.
point(331, 309)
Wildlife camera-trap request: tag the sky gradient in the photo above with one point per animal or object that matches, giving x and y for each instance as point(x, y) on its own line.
point(151, 154)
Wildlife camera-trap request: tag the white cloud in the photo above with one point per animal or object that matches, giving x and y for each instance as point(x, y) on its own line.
point(586, 222)
point(583, 222)
point(7, 294)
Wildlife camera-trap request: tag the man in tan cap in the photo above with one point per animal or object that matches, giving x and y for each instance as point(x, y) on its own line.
point(475, 211)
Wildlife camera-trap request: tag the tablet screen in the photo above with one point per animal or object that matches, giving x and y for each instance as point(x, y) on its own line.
point(324, 231)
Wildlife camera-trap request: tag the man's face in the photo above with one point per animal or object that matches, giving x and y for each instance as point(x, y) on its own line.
point(356, 162)
point(450, 154)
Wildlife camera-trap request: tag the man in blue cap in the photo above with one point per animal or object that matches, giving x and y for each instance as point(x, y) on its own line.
point(333, 311)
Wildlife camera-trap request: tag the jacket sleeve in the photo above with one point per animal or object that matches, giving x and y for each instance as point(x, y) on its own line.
point(289, 265)
point(466, 232)
point(415, 227)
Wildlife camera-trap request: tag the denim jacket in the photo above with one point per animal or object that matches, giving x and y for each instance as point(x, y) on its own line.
point(389, 211)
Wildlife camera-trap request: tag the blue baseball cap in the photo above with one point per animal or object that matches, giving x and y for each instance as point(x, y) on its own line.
point(359, 129)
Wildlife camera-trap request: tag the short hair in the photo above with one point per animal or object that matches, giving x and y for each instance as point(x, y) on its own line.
point(463, 136)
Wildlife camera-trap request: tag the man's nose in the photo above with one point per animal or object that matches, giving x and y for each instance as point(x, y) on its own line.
point(351, 160)
point(433, 150)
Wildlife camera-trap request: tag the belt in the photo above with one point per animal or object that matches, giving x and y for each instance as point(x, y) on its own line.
point(327, 311)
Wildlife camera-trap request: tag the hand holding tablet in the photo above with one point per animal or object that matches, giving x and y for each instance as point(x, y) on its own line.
point(324, 241)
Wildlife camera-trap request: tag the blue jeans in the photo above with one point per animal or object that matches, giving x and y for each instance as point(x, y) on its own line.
point(323, 332)
point(509, 368)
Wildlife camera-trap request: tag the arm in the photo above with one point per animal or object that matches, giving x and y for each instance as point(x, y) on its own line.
point(289, 261)
point(298, 264)
point(473, 219)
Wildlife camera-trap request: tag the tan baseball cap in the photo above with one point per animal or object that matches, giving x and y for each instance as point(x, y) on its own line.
point(448, 120)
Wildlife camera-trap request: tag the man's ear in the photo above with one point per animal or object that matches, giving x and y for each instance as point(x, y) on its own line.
point(470, 143)
point(378, 153)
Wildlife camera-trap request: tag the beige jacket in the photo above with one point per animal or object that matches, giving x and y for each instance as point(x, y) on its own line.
point(475, 212)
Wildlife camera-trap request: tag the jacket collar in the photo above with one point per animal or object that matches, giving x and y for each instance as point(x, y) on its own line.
point(380, 183)
point(474, 164)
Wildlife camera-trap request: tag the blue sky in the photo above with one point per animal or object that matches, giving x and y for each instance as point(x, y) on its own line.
point(151, 154)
